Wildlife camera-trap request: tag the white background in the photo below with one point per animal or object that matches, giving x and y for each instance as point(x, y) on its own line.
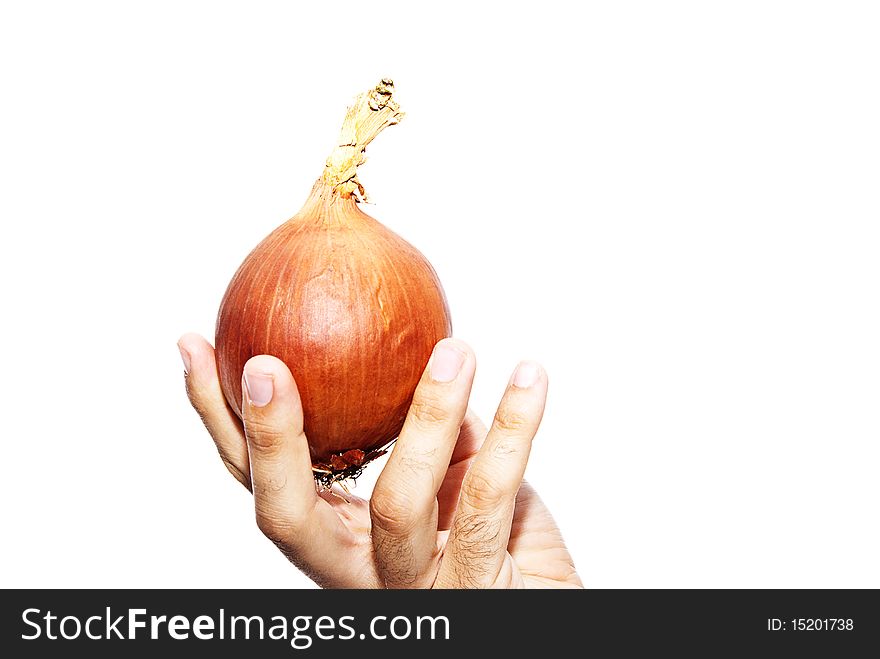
point(673, 206)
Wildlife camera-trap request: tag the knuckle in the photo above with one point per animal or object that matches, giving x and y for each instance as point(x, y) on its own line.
point(510, 420)
point(391, 512)
point(429, 410)
point(263, 435)
point(483, 492)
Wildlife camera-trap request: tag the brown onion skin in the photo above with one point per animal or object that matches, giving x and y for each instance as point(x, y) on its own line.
point(352, 309)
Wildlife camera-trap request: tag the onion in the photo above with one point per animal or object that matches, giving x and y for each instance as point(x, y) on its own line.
point(351, 308)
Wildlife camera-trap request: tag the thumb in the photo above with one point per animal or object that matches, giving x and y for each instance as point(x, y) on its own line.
point(281, 467)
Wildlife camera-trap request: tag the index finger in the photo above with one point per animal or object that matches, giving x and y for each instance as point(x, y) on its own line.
point(403, 507)
point(203, 389)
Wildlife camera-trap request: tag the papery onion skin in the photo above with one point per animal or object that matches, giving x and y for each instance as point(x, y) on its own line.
point(352, 309)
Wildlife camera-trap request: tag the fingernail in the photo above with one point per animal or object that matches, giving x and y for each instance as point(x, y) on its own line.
point(259, 388)
point(525, 375)
point(187, 360)
point(446, 362)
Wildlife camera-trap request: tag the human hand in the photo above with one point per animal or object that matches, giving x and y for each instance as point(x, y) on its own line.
point(450, 508)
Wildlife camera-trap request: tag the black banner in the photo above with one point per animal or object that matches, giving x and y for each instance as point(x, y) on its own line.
point(289, 623)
